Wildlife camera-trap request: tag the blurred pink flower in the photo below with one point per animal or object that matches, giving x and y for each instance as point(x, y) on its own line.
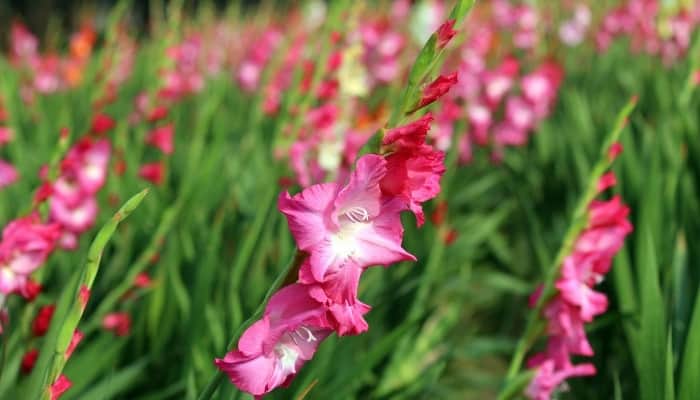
point(162, 138)
point(118, 322)
point(8, 174)
point(26, 243)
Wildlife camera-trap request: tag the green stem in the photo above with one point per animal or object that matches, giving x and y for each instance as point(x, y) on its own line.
point(77, 307)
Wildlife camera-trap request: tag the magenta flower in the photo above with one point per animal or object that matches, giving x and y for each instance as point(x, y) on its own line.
point(338, 295)
point(76, 219)
point(6, 134)
point(349, 226)
point(8, 174)
point(273, 350)
point(26, 243)
point(445, 33)
point(153, 172)
point(576, 302)
point(162, 138)
point(548, 378)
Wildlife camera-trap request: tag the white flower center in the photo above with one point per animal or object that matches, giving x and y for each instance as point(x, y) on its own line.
point(287, 357)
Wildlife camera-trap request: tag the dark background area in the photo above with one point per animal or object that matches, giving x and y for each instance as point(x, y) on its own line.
point(44, 16)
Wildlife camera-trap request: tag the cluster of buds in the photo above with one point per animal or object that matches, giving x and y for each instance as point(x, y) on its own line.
point(522, 100)
point(576, 302)
point(50, 73)
point(184, 77)
point(250, 71)
point(573, 31)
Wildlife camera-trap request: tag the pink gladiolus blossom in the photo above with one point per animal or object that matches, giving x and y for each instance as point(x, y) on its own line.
point(273, 350)
point(162, 138)
point(576, 302)
point(6, 135)
point(26, 243)
point(119, 323)
point(445, 33)
point(351, 225)
point(8, 174)
point(548, 378)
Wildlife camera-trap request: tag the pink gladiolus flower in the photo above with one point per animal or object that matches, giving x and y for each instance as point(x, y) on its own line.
point(519, 113)
point(548, 379)
point(506, 134)
point(273, 350)
point(338, 294)
point(95, 157)
point(606, 181)
point(576, 302)
point(480, 121)
point(499, 81)
point(575, 289)
point(347, 226)
point(162, 138)
point(76, 219)
point(6, 135)
point(445, 33)
point(26, 243)
point(59, 387)
point(8, 174)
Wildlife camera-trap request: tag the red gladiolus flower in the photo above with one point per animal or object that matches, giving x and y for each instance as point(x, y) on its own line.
point(30, 290)
point(436, 89)
point(102, 123)
point(158, 113)
point(42, 321)
point(153, 172)
point(162, 138)
point(445, 33)
point(28, 361)
point(59, 387)
point(119, 323)
point(142, 280)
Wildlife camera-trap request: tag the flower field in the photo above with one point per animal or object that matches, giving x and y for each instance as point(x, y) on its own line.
point(196, 206)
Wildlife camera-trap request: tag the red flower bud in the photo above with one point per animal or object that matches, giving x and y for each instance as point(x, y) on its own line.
point(43, 320)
